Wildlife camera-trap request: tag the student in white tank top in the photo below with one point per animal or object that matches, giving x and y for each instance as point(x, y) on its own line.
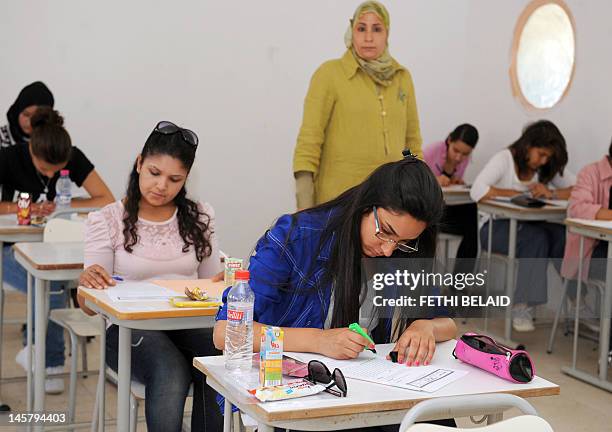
point(535, 163)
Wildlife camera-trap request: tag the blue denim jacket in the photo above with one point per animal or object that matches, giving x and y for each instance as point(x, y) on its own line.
point(283, 276)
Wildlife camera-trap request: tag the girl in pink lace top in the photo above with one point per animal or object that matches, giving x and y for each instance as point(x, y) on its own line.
point(156, 232)
point(158, 253)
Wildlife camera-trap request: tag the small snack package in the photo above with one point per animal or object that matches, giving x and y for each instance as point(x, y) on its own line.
point(291, 390)
point(271, 357)
point(231, 265)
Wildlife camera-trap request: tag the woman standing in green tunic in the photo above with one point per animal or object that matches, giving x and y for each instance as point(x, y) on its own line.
point(360, 112)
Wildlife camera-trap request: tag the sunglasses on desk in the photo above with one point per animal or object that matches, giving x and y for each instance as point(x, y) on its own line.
point(319, 373)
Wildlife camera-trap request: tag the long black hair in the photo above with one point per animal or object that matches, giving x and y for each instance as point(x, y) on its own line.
point(406, 186)
point(193, 223)
point(50, 141)
point(544, 134)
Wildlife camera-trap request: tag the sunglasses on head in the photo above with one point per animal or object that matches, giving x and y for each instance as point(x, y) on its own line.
point(169, 128)
point(318, 373)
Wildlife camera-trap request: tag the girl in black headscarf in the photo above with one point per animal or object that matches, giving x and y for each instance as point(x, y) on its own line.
point(18, 129)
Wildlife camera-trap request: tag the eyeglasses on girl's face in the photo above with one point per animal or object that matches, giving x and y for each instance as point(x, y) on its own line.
point(403, 245)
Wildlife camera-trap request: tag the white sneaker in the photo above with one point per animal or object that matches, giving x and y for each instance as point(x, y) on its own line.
point(54, 385)
point(22, 358)
point(522, 321)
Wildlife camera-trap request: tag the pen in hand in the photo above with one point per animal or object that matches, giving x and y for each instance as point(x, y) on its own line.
point(355, 327)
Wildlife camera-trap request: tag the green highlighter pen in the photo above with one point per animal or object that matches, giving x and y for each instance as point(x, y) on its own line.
point(357, 329)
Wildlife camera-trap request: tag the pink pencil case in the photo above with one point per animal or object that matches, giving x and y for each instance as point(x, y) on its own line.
point(484, 353)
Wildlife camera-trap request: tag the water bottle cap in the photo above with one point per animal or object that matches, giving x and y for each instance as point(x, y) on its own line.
point(241, 275)
point(64, 172)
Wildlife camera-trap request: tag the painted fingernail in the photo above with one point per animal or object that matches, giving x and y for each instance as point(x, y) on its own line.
point(416, 363)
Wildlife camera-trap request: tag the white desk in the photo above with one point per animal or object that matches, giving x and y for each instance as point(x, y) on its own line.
point(45, 262)
point(456, 195)
point(586, 229)
point(506, 210)
point(147, 315)
point(367, 404)
point(10, 232)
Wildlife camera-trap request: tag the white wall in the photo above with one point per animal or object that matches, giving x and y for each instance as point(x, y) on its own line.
point(236, 72)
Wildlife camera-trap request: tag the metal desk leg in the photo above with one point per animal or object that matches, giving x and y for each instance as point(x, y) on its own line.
point(1, 302)
point(123, 397)
point(102, 377)
point(41, 295)
point(510, 279)
point(604, 332)
point(227, 416)
point(577, 311)
point(29, 357)
point(489, 251)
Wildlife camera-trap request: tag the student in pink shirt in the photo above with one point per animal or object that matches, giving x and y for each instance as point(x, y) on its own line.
point(157, 232)
point(590, 199)
point(448, 160)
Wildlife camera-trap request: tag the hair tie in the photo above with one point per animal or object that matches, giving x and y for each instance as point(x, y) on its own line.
point(408, 155)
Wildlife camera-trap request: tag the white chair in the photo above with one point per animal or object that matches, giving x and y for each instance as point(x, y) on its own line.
point(79, 325)
point(460, 406)
point(563, 307)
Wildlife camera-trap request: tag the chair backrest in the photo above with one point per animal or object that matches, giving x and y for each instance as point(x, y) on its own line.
point(465, 405)
point(63, 230)
point(521, 423)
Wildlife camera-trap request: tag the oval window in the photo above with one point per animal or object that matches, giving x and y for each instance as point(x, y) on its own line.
point(543, 54)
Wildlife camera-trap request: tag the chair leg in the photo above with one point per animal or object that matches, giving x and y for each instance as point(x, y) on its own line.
point(2, 294)
point(73, 376)
point(94, 418)
point(133, 413)
point(553, 332)
point(83, 341)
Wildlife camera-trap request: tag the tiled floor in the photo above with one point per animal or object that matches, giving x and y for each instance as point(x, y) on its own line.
point(579, 408)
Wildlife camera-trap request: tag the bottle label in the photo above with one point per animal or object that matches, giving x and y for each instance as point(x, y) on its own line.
point(235, 315)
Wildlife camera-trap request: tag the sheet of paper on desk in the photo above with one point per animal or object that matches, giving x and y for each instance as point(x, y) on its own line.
point(139, 291)
point(377, 369)
point(596, 223)
point(457, 187)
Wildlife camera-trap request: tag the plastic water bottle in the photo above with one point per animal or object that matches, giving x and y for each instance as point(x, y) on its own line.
point(63, 191)
point(239, 330)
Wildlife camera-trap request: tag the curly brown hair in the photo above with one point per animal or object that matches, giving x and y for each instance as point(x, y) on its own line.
point(194, 224)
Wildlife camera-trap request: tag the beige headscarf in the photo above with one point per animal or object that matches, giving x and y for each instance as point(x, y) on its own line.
point(382, 69)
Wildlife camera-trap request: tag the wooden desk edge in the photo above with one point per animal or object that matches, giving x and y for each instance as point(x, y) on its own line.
point(310, 413)
point(21, 229)
point(72, 266)
point(571, 223)
point(126, 316)
point(500, 205)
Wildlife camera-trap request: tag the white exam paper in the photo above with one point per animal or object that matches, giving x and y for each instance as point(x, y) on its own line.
point(139, 291)
point(377, 369)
